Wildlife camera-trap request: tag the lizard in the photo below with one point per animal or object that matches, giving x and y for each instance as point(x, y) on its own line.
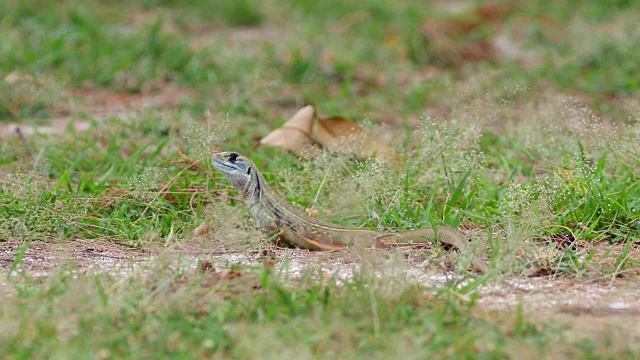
point(283, 222)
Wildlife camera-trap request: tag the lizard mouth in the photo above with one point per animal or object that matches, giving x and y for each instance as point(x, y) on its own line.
point(225, 165)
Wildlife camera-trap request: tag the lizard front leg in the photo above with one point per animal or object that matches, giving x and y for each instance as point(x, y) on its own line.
point(284, 234)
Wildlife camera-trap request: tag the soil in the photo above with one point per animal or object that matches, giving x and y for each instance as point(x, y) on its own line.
point(597, 305)
point(99, 104)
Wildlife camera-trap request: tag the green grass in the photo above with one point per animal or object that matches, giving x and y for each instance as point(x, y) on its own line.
point(256, 315)
point(515, 150)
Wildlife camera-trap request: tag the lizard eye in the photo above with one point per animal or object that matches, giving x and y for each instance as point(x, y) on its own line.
point(233, 157)
point(249, 170)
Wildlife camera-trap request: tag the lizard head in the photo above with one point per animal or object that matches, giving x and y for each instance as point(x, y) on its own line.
point(240, 172)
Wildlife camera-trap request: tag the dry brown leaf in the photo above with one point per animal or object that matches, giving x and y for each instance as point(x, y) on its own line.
point(328, 131)
point(290, 139)
point(299, 134)
point(341, 135)
point(302, 120)
point(294, 134)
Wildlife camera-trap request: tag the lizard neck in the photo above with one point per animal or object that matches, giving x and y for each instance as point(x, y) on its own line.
point(254, 190)
point(266, 205)
point(258, 198)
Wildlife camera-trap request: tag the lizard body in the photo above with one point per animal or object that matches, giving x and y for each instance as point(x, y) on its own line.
point(284, 222)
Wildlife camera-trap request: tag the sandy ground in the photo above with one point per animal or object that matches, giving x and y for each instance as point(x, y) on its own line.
point(79, 105)
point(590, 305)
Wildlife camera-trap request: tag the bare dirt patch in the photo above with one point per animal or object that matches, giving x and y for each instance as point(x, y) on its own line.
point(596, 304)
point(100, 104)
point(40, 257)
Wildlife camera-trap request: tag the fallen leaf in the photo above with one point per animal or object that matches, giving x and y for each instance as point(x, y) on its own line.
point(302, 120)
point(299, 135)
point(289, 139)
point(341, 135)
point(294, 134)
